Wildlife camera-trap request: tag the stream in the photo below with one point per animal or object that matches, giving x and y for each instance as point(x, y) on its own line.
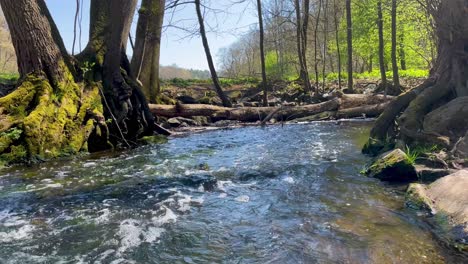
point(289, 194)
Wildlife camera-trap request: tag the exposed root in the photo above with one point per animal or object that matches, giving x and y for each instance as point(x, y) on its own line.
point(39, 121)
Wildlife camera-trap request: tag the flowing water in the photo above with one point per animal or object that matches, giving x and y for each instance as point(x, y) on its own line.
point(289, 194)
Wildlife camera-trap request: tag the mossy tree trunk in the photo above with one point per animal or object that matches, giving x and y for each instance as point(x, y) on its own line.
point(57, 109)
point(145, 59)
point(49, 114)
point(124, 103)
point(404, 118)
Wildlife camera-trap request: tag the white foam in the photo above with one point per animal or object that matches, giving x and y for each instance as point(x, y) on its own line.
point(153, 234)
point(168, 217)
point(243, 199)
point(19, 234)
point(129, 234)
point(289, 179)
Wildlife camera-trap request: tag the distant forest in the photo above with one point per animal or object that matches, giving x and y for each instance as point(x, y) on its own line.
point(174, 71)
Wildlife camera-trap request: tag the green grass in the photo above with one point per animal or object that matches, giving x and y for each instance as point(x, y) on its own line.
point(8, 78)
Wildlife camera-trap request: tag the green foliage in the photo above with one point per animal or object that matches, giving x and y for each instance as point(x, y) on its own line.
point(412, 155)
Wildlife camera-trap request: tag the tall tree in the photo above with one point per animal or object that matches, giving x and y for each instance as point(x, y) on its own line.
point(396, 77)
point(349, 37)
point(262, 52)
point(145, 59)
point(448, 81)
point(209, 58)
point(302, 25)
point(337, 40)
point(316, 47)
point(383, 75)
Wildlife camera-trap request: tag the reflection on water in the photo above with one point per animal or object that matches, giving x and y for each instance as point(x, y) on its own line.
point(250, 195)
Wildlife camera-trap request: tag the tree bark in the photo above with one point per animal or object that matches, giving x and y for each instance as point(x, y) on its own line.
point(316, 62)
point(262, 52)
point(349, 36)
point(209, 58)
point(383, 75)
point(337, 39)
point(396, 77)
point(145, 59)
point(123, 100)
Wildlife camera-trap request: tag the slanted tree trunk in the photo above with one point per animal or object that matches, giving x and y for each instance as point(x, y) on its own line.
point(209, 58)
point(262, 53)
point(145, 59)
point(396, 77)
point(448, 80)
point(349, 36)
point(49, 114)
point(383, 75)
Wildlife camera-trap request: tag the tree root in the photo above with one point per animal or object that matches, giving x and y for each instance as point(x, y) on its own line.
point(380, 133)
point(40, 121)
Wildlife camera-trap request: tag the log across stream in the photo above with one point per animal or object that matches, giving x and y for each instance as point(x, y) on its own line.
point(345, 106)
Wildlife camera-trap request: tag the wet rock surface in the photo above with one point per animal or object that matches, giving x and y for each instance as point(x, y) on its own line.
point(392, 166)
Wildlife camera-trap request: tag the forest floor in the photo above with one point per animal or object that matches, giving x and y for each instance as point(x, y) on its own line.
point(248, 92)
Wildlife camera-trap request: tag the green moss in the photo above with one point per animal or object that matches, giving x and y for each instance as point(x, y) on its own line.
point(156, 139)
point(41, 121)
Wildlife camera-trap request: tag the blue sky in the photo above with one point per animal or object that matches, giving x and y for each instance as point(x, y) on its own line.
point(227, 24)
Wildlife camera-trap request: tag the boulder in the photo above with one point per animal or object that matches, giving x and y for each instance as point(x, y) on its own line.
point(393, 166)
point(449, 120)
point(181, 121)
point(201, 120)
point(447, 198)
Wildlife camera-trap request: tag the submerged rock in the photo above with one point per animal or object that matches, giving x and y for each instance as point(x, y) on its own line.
point(447, 198)
point(392, 166)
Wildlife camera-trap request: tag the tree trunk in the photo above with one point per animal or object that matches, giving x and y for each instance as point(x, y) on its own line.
point(449, 80)
point(349, 25)
point(383, 75)
point(49, 114)
point(123, 100)
point(396, 77)
point(337, 39)
point(317, 22)
point(262, 53)
point(302, 25)
point(145, 59)
point(209, 58)
point(402, 52)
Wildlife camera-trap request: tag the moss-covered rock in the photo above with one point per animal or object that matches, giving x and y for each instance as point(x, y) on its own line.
point(392, 166)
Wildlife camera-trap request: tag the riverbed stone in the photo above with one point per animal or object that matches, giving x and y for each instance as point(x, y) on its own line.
point(181, 121)
point(392, 166)
point(447, 199)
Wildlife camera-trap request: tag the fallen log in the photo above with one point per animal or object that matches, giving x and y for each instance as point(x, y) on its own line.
point(357, 100)
point(362, 111)
point(347, 106)
point(244, 114)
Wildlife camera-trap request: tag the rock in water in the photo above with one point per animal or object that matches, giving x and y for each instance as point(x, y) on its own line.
point(392, 166)
point(448, 199)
